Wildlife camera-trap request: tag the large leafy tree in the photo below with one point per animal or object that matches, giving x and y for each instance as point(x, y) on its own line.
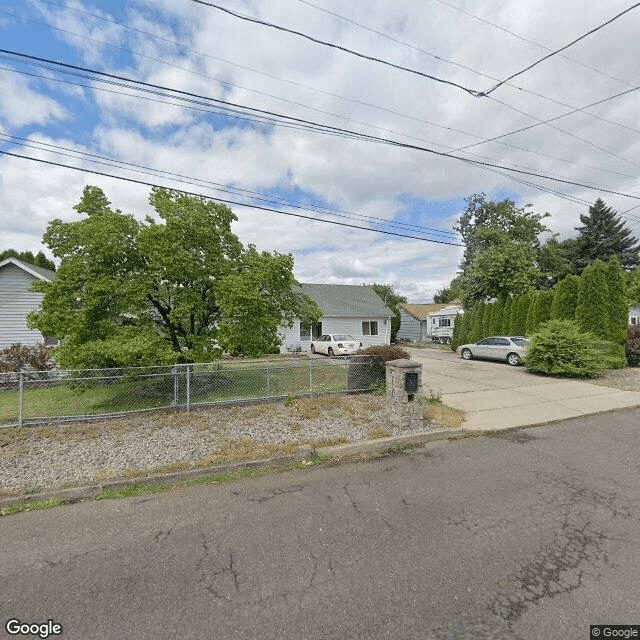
point(388, 294)
point(449, 293)
point(501, 246)
point(182, 289)
point(602, 235)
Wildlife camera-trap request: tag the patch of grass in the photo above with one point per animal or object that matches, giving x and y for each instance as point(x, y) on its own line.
point(444, 415)
point(312, 408)
point(379, 432)
point(433, 397)
point(30, 506)
point(31, 491)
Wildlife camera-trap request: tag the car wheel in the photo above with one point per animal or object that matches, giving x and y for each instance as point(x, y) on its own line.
point(466, 354)
point(513, 359)
point(313, 349)
point(330, 352)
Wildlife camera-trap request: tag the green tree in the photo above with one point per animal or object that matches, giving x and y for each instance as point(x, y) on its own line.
point(519, 313)
point(452, 292)
point(618, 308)
point(497, 318)
point(475, 330)
point(130, 292)
point(553, 259)
point(387, 293)
point(539, 310)
point(633, 287)
point(602, 235)
point(592, 309)
point(505, 327)
point(565, 299)
point(38, 260)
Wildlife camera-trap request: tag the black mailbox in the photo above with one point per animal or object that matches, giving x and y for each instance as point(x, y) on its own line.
point(411, 382)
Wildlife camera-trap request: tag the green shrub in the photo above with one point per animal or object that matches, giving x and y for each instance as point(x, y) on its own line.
point(612, 354)
point(559, 348)
point(367, 369)
point(633, 346)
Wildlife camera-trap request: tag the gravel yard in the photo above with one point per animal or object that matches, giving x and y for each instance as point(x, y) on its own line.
point(626, 379)
point(35, 458)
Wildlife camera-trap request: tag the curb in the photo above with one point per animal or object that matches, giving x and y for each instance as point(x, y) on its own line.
point(77, 494)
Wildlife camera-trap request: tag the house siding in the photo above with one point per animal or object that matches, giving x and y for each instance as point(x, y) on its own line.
point(16, 302)
point(410, 327)
point(350, 326)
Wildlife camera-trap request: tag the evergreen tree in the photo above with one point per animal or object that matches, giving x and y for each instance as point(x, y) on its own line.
point(497, 317)
point(565, 299)
point(592, 308)
point(486, 319)
point(39, 260)
point(542, 310)
point(475, 332)
point(530, 324)
point(519, 315)
point(505, 327)
point(617, 302)
point(602, 235)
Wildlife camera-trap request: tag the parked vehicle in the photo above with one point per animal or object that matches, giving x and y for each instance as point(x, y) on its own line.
point(335, 345)
point(509, 349)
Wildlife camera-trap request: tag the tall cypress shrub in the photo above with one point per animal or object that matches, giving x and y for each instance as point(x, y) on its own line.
point(530, 325)
point(478, 317)
point(540, 311)
point(592, 309)
point(520, 312)
point(565, 299)
point(505, 327)
point(497, 317)
point(486, 319)
point(617, 302)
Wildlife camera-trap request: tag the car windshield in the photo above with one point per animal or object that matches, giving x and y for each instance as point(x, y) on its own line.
point(344, 338)
point(521, 342)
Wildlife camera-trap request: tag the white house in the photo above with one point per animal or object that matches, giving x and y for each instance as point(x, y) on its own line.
point(419, 322)
point(16, 301)
point(634, 315)
point(352, 309)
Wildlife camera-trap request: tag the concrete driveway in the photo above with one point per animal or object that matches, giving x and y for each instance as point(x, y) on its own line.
point(495, 395)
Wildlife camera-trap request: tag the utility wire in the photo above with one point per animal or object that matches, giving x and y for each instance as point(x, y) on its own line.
point(557, 51)
point(533, 42)
point(333, 45)
point(320, 128)
point(355, 101)
point(562, 115)
point(222, 200)
point(216, 186)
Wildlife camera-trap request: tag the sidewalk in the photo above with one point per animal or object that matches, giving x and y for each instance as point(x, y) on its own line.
point(497, 396)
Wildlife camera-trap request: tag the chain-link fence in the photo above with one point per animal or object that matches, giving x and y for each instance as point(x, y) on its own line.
point(35, 397)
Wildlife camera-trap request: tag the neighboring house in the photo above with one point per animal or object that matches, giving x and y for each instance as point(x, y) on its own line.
point(16, 301)
point(419, 322)
point(634, 315)
point(352, 309)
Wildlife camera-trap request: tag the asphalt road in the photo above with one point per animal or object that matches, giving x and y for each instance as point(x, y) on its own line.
point(530, 534)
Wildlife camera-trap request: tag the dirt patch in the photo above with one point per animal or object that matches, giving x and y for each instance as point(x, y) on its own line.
point(627, 379)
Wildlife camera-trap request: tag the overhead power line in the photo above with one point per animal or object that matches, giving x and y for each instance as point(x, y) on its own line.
point(557, 51)
point(529, 41)
point(217, 186)
point(355, 101)
point(223, 200)
point(280, 119)
point(338, 47)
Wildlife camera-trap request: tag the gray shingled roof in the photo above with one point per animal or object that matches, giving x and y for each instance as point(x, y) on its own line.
point(47, 274)
point(347, 300)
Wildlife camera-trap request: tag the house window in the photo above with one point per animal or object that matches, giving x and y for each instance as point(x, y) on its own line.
point(370, 328)
point(310, 333)
point(445, 322)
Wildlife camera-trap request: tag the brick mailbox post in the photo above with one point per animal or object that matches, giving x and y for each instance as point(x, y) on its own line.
point(404, 393)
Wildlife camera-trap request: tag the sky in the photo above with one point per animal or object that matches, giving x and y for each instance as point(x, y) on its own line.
point(357, 129)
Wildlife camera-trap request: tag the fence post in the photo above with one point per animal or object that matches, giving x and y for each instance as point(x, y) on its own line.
point(21, 398)
point(188, 387)
point(176, 368)
point(268, 381)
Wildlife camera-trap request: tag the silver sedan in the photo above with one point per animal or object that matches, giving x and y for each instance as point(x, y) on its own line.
point(509, 349)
